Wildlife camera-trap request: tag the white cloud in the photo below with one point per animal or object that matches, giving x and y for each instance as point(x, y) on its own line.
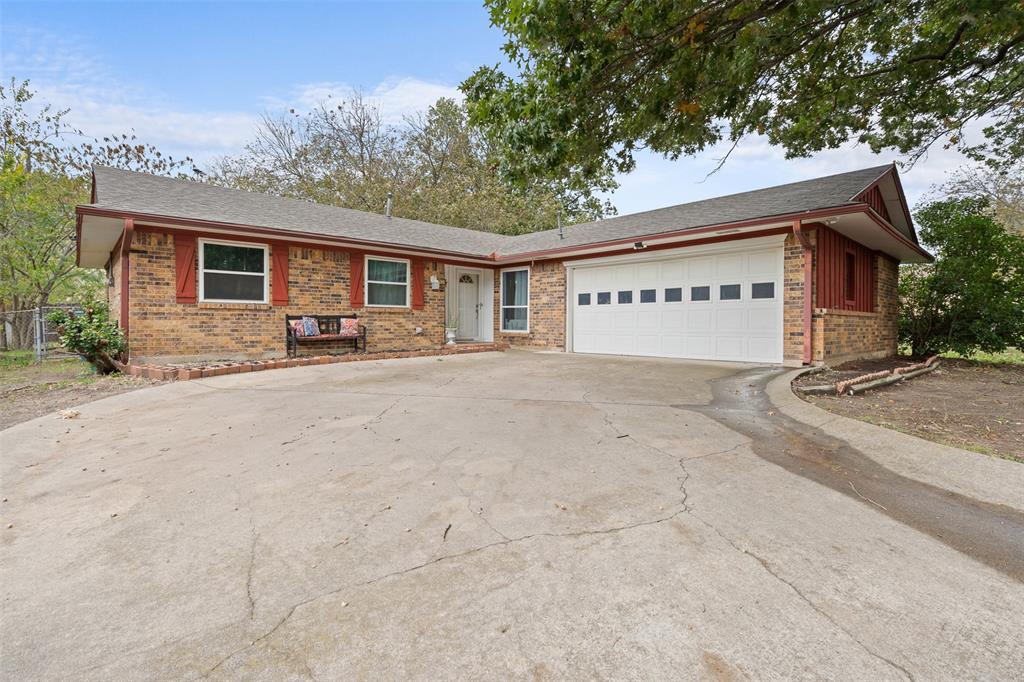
point(395, 97)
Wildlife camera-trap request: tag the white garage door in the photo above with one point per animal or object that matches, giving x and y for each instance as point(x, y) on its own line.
point(718, 306)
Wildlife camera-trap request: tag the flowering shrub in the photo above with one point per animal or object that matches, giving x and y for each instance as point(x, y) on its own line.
point(91, 334)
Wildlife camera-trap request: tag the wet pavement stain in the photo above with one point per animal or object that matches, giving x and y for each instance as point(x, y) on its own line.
point(990, 533)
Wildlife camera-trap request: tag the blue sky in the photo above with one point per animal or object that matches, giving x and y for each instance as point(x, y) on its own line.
point(193, 78)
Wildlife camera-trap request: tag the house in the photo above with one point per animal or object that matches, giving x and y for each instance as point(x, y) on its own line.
point(793, 274)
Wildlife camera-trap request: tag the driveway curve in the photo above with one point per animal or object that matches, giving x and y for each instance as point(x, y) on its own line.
point(480, 516)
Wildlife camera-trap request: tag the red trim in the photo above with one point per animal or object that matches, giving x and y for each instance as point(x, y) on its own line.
point(156, 229)
point(903, 198)
point(357, 262)
point(78, 240)
point(673, 245)
point(185, 268)
point(753, 222)
point(279, 273)
point(126, 248)
point(287, 234)
point(805, 241)
point(417, 283)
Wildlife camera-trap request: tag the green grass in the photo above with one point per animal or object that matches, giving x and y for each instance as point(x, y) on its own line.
point(1010, 356)
point(16, 358)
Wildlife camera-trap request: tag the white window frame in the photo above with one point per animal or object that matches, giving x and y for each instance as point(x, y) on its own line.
point(367, 281)
point(248, 245)
point(501, 301)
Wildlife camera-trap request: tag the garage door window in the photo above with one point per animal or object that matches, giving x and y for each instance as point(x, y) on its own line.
point(515, 300)
point(583, 299)
point(604, 297)
point(700, 293)
point(625, 297)
point(762, 290)
point(729, 292)
point(648, 296)
point(674, 295)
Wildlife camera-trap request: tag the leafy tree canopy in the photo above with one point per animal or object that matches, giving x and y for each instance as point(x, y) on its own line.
point(971, 297)
point(44, 173)
point(595, 80)
point(437, 167)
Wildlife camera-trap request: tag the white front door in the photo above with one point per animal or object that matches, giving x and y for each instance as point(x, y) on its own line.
point(468, 288)
point(714, 306)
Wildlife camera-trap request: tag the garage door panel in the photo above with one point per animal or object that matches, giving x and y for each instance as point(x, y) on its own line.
point(744, 329)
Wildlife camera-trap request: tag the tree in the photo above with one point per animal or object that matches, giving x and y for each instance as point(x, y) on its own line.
point(1002, 189)
point(44, 173)
point(437, 167)
point(971, 297)
point(596, 80)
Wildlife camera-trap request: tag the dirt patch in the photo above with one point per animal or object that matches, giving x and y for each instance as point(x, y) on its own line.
point(970, 405)
point(28, 391)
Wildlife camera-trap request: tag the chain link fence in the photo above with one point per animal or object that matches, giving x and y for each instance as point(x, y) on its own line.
point(29, 330)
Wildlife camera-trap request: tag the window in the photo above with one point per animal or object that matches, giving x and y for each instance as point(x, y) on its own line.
point(648, 296)
point(625, 297)
point(762, 290)
point(729, 292)
point(515, 300)
point(232, 272)
point(700, 293)
point(604, 297)
point(583, 299)
point(851, 277)
point(674, 295)
point(387, 282)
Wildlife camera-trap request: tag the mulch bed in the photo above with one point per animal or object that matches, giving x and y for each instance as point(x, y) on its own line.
point(970, 405)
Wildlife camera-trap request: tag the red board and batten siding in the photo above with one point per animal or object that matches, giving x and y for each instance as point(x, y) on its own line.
point(832, 273)
point(873, 198)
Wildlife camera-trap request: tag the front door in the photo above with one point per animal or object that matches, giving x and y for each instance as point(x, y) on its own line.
point(469, 308)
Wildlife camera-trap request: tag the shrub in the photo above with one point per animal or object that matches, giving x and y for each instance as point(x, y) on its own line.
point(972, 297)
point(91, 334)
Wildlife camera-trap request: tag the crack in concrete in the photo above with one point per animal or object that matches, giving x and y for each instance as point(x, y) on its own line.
point(437, 560)
point(767, 567)
point(252, 566)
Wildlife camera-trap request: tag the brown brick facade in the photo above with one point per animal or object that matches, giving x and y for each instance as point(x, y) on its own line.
point(547, 308)
point(846, 335)
point(838, 335)
point(318, 282)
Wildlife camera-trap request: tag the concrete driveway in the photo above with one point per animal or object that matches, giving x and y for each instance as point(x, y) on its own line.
point(496, 516)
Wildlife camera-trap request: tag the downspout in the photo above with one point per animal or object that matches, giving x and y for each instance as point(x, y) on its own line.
point(126, 247)
point(805, 242)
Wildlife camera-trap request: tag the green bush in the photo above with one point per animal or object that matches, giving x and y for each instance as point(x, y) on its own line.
point(972, 297)
point(91, 334)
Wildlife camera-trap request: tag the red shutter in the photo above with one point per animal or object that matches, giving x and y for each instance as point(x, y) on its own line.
point(417, 283)
point(356, 262)
point(279, 271)
point(185, 268)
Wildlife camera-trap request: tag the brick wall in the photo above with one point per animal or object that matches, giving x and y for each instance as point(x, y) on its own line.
point(318, 283)
point(841, 335)
point(547, 308)
point(838, 335)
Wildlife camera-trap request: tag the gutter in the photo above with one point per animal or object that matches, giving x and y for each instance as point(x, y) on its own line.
point(126, 247)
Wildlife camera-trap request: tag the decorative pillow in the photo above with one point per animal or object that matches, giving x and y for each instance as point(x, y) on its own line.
point(310, 327)
point(297, 328)
point(349, 326)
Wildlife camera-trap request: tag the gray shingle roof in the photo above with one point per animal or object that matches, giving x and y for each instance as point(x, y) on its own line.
point(133, 192)
point(828, 192)
point(129, 191)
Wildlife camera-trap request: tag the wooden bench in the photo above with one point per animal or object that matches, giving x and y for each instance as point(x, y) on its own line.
point(330, 330)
